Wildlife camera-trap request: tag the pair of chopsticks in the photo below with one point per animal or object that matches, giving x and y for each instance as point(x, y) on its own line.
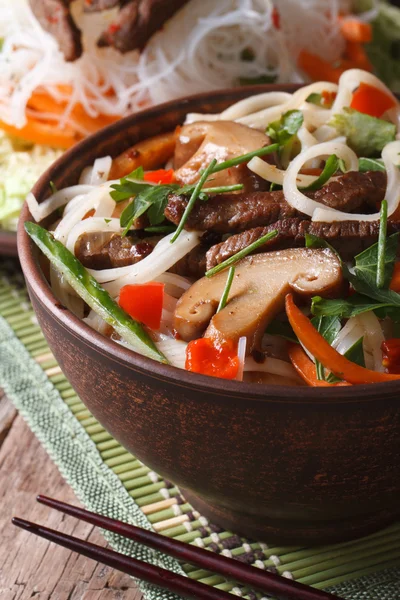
point(282, 588)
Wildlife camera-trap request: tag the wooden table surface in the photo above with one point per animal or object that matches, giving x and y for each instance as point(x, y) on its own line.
point(30, 566)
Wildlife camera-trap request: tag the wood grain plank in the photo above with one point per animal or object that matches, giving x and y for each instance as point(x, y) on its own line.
point(31, 567)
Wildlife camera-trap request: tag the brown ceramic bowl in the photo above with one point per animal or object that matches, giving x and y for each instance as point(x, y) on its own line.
point(294, 465)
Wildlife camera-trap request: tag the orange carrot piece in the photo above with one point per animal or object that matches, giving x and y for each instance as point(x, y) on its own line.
point(317, 68)
point(150, 154)
point(306, 368)
point(43, 132)
point(371, 100)
point(356, 53)
point(354, 30)
point(317, 345)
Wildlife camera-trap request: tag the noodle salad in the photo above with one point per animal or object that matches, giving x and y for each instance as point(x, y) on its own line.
point(259, 244)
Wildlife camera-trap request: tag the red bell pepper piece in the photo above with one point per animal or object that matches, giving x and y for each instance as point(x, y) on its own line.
point(143, 302)
point(371, 100)
point(161, 176)
point(211, 357)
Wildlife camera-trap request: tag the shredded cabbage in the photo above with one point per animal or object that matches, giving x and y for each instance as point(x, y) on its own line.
point(20, 167)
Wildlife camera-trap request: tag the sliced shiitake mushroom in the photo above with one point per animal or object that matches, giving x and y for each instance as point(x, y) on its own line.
point(257, 294)
point(199, 143)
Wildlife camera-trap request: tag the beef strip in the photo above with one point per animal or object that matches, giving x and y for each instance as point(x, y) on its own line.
point(109, 250)
point(137, 21)
point(348, 237)
point(55, 18)
point(232, 213)
point(352, 191)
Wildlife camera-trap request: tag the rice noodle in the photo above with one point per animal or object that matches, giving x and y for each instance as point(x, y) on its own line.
point(175, 285)
point(241, 352)
point(293, 195)
point(373, 338)
point(174, 350)
point(57, 200)
point(163, 257)
point(199, 49)
point(271, 365)
point(101, 170)
point(273, 174)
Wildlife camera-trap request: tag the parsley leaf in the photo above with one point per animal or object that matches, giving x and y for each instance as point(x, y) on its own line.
point(282, 131)
point(328, 327)
point(152, 199)
point(370, 164)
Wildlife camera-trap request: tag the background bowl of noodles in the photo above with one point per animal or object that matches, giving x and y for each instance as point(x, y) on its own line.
point(296, 465)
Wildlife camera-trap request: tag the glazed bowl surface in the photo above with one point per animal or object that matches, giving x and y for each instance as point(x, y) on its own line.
point(291, 465)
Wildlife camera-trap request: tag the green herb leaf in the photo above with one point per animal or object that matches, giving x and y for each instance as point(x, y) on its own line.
point(367, 265)
point(127, 189)
point(283, 330)
point(153, 199)
point(381, 276)
point(328, 327)
point(344, 308)
point(137, 174)
point(366, 135)
point(370, 164)
point(242, 253)
point(314, 99)
point(286, 128)
point(228, 285)
point(331, 166)
point(313, 241)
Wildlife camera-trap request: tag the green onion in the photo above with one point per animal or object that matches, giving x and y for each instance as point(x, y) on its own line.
point(331, 166)
point(228, 285)
point(91, 292)
point(233, 162)
point(242, 253)
point(223, 189)
point(53, 187)
point(193, 198)
point(160, 229)
point(380, 267)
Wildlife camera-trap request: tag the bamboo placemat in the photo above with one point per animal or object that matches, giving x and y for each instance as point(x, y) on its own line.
point(109, 480)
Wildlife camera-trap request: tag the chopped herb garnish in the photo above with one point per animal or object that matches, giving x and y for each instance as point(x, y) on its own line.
point(331, 166)
point(224, 189)
point(314, 99)
point(282, 329)
point(366, 135)
point(355, 354)
point(381, 262)
point(242, 253)
point(53, 187)
point(160, 229)
point(107, 221)
point(151, 200)
point(137, 174)
point(228, 285)
point(238, 160)
point(193, 198)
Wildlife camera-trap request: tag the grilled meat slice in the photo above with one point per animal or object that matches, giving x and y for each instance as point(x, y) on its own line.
point(353, 191)
point(137, 21)
point(193, 264)
point(348, 237)
point(55, 18)
point(108, 250)
point(231, 213)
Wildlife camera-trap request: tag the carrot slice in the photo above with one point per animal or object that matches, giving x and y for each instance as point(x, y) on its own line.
point(149, 154)
point(43, 132)
point(372, 101)
point(316, 344)
point(319, 69)
point(355, 30)
point(306, 368)
point(356, 52)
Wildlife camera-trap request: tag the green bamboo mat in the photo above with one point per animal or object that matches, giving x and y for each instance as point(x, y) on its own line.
point(108, 479)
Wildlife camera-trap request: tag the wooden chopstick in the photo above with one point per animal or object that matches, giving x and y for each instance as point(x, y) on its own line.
point(184, 586)
point(255, 577)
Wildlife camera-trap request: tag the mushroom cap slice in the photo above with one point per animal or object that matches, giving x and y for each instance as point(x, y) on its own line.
point(199, 143)
point(257, 294)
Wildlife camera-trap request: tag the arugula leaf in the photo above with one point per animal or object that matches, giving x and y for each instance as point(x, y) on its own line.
point(153, 199)
point(366, 135)
point(331, 166)
point(137, 174)
point(282, 131)
point(370, 164)
point(127, 189)
point(328, 327)
point(345, 308)
point(367, 262)
point(283, 330)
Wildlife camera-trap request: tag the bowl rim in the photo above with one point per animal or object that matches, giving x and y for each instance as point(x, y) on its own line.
point(129, 358)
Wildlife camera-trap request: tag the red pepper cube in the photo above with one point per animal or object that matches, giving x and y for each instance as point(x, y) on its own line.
point(213, 358)
point(143, 302)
